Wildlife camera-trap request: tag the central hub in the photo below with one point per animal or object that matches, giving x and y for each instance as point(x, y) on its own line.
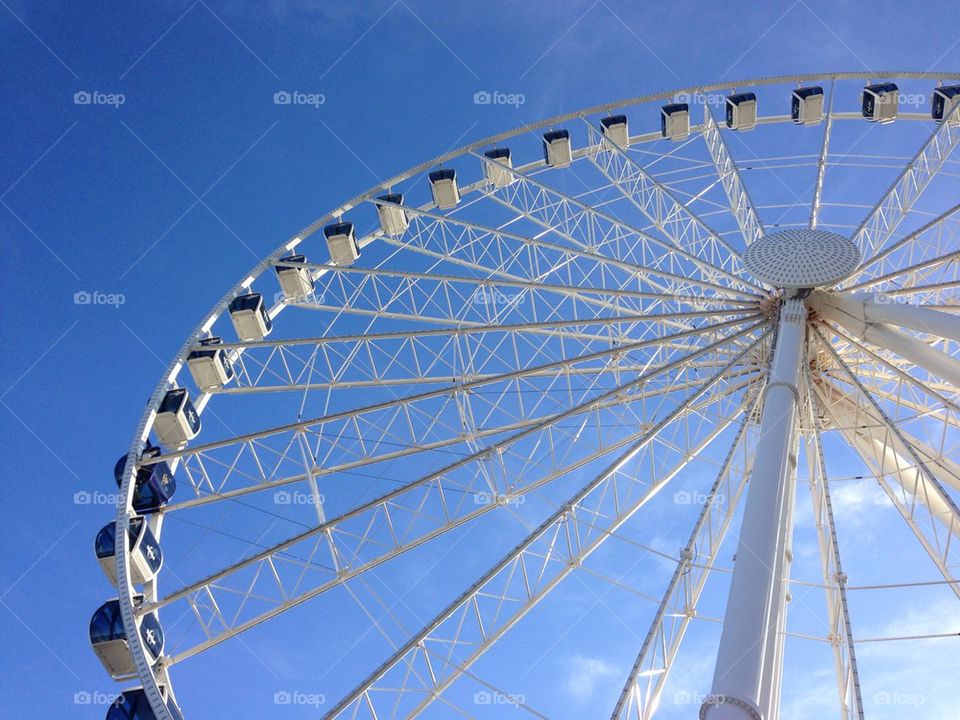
point(801, 258)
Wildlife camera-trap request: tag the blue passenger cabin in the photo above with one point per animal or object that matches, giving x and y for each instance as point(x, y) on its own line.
point(393, 218)
point(675, 121)
point(134, 705)
point(615, 129)
point(557, 151)
point(177, 420)
point(941, 105)
point(342, 243)
point(146, 558)
point(741, 111)
point(879, 102)
point(295, 279)
point(154, 485)
point(109, 639)
point(443, 186)
point(806, 105)
point(210, 364)
point(249, 316)
point(496, 167)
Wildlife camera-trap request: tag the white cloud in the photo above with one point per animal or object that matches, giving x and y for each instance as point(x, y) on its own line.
point(585, 674)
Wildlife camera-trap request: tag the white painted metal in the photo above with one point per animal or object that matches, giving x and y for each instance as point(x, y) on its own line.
point(746, 664)
point(606, 301)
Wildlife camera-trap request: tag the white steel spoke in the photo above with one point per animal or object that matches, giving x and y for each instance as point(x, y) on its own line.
point(904, 476)
point(916, 257)
point(834, 579)
point(671, 217)
point(455, 239)
point(468, 627)
point(414, 421)
point(641, 693)
point(879, 226)
point(425, 508)
point(596, 229)
point(822, 162)
point(740, 204)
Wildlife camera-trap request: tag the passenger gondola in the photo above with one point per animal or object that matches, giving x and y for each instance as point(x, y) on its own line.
point(557, 151)
point(146, 558)
point(496, 167)
point(210, 364)
point(249, 316)
point(109, 639)
point(880, 102)
point(342, 243)
point(806, 105)
point(443, 186)
point(943, 99)
point(154, 484)
point(392, 216)
point(675, 121)
point(741, 111)
point(295, 279)
point(177, 421)
point(616, 130)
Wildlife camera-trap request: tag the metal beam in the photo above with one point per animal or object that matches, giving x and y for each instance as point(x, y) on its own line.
point(435, 657)
point(747, 674)
point(641, 693)
point(740, 204)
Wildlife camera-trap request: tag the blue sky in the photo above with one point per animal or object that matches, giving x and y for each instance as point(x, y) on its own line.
point(167, 198)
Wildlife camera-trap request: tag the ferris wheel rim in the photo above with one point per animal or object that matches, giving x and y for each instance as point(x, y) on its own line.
point(148, 674)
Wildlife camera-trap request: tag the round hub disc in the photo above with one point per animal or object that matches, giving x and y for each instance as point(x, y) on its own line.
point(801, 258)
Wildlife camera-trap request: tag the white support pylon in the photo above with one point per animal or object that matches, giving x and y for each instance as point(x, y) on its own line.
point(746, 677)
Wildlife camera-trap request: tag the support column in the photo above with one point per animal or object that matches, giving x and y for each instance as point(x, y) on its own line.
point(746, 677)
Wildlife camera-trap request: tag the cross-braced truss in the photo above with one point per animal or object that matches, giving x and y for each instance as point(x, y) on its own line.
point(532, 368)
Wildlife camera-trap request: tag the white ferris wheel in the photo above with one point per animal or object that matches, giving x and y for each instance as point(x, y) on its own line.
point(539, 344)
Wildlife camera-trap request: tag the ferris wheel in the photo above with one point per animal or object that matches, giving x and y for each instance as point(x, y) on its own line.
point(537, 335)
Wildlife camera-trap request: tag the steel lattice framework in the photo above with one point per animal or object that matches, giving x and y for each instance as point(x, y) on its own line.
point(581, 337)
